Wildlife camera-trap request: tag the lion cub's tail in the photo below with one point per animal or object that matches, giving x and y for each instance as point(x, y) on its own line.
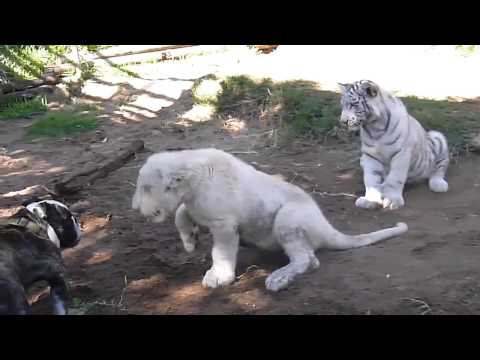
point(340, 241)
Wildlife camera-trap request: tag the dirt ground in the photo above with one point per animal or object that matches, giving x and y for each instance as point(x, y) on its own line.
point(125, 265)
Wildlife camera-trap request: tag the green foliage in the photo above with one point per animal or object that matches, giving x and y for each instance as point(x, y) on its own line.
point(29, 61)
point(306, 110)
point(303, 109)
point(458, 121)
point(95, 48)
point(24, 62)
point(23, 108)
point(467, 49)
point(62, 122)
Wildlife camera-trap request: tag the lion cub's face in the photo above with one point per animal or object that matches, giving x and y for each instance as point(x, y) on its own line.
point(156, 195)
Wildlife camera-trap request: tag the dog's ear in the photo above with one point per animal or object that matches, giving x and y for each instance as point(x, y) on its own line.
point(31, 200)
point(54, 211)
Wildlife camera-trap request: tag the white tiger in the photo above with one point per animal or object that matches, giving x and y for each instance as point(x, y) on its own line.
point(395, 147)
point(240, 204)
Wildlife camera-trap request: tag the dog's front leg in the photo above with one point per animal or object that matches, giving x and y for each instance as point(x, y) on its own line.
point(224, 256)
point(59, 294)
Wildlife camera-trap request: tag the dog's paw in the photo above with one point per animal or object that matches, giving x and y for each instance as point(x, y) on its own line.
point(59, 306)
point(364, 203)
point(214, 279)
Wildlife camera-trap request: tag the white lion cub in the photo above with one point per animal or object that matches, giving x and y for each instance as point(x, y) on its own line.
point(235, 201)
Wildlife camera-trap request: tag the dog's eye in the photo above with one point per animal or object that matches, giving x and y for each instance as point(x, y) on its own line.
point(167, 188)
point(39, 213)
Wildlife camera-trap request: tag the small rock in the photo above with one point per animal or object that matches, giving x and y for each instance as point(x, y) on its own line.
point(80, 206)
point(474, 143)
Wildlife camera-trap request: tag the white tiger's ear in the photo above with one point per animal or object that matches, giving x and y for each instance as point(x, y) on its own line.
point(343, 87)
point(370, 88)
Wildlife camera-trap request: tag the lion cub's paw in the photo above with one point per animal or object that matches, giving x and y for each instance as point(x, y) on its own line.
point(214, 279)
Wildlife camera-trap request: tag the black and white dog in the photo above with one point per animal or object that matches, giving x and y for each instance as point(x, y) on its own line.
point(30, 250)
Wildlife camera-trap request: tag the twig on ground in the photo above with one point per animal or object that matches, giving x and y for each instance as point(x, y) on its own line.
point(123, 297)
point(275, 138)
point(293, 179)
point(324, 193)
point(121, 304)
point(242, 102)
point(423, 305)
point(242, 152)
point(251, 267)
point(130, 183)
point(49, 191)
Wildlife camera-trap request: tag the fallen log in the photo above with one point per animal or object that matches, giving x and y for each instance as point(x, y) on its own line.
point(20, 85)
point(87, 176)
point(101, 55)
point(266, 49)
point(163, 55)
point(60, 70)
point(25, 95)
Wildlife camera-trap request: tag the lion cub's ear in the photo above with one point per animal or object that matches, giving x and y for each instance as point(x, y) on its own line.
point(176, 180)
point(279, 177)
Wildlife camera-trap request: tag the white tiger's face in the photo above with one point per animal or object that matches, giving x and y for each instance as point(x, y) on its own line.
point(355, 107)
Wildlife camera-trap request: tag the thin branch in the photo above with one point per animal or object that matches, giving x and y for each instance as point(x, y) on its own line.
point(324, 193)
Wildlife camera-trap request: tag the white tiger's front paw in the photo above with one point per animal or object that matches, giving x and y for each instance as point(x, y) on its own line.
point(214, 279)
point(364, 203)
point(438, 184)
point(393, 202)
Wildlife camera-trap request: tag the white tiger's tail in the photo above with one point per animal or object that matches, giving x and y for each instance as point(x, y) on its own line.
point(340, 241)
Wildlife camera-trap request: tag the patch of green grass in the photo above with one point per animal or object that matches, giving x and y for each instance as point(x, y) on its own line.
point(456, 120)
point(305, 110)
point(466, 50)
point(238, 89)
point(302, 110)
point(235, 90)
point(59, 123)
point(23, 108)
